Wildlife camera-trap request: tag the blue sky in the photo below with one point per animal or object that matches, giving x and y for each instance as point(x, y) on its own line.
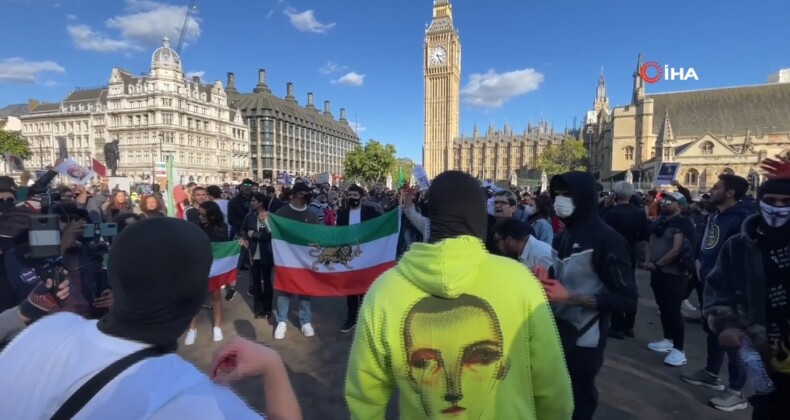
point(366, 55)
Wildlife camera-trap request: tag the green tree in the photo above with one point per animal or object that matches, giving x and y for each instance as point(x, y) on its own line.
point(369, 163)
point(404, 163)
point(570, 155)
point(13, 142)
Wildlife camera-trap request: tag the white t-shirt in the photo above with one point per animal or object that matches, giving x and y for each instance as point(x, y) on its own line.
point(354, 216)
point(536, 254)
point(54, 357)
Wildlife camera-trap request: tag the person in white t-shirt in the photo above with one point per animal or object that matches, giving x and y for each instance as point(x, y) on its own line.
point(53, 358)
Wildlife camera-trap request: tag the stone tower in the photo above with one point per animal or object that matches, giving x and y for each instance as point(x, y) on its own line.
point(442, 72)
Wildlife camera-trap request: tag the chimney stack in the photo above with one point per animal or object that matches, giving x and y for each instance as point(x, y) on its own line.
point(289, 89)
point(310, 103)
point(327, 108)
point(262, 86)
point(231, 83)
point(343, 115)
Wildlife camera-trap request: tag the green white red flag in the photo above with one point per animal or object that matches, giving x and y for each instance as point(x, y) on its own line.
point(316, 260)
point(224, 267)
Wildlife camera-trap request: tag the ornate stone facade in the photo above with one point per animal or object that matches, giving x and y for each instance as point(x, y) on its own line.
point(152, 115)
point(713, 131)
point(498, 154)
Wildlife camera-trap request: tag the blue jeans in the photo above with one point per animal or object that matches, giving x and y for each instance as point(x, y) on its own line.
point(284, 302)
point(716, 360)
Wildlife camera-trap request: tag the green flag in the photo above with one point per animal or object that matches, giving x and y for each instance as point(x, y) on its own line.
point(401, 177)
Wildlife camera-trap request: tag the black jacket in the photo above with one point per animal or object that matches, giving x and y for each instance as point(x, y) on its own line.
point(262, 237)
point(735, 290)
point(238, 207)
point(367, 213)
point(592, 259)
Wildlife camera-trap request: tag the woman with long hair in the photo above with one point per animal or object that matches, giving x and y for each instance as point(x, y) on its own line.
point(119, 203)
point(257, 238)
point(540, 210)
point(212, 221)
point(150, 207)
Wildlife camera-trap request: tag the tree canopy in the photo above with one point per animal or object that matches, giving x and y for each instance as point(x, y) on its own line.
point(370, 163)
point(13, 142)
point(570, 155)
point(402, 163)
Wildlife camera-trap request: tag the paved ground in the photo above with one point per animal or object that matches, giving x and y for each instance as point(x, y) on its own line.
point(634, 383)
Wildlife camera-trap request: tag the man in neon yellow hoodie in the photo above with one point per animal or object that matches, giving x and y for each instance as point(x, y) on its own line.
point(460, 333)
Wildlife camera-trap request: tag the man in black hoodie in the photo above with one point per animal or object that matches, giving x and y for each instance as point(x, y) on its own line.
point(584, 299)
point(746, 293)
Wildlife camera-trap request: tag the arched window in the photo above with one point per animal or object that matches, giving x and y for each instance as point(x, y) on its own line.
point(692, 177)
point(707, 148)
point(629, 153)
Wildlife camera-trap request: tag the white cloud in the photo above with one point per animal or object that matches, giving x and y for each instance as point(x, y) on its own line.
point(306, 21)
point(358, 128)
point(192, 74)
point(52, 83)
point(19, 70)
point(71, 17)
point(274, 9)
point(143, 26)
point(85, 38)
point(352, 79)
point(331, 68)
point(492, 90)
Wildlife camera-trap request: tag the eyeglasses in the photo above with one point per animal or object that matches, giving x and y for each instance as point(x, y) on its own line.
point(502, 202)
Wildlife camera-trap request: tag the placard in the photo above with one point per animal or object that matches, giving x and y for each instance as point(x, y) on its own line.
point(667, 173)
point(75, 171)
point(422, 177)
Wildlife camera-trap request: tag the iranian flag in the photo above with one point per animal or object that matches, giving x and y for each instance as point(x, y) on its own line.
point(316, 260)
point(224, 268)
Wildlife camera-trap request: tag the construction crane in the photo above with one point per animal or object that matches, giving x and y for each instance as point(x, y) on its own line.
point(190, 11)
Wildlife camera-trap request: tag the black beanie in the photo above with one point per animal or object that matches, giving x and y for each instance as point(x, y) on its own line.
point(456, 207)
point(158, 271)
point(774, 186)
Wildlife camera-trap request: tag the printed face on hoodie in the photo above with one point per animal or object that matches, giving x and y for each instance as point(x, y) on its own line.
point(455, 353)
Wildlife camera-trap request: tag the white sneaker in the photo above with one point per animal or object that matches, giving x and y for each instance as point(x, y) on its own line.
point(218, 334)
point(663, 346)
point(191, 336)
point(675, 358)
point(687, 306)
point(279, 332)
point(307, 330)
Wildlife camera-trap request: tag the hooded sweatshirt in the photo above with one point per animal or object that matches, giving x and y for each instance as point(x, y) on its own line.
point(457, 330)
point(592, 259)
point(720, 227)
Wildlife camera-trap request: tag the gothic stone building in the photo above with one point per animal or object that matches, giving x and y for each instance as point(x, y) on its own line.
point(709, 132)
point(497, 155)
point(151, 115)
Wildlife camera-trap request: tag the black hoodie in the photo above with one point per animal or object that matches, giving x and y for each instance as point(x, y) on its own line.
point(592, 259)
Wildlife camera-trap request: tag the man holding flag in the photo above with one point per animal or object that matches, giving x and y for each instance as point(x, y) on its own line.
point(353, 214)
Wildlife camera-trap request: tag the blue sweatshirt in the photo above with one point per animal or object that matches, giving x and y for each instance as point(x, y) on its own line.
point(721, 226)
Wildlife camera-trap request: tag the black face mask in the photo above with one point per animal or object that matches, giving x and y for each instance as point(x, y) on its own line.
point(6, 205)
point(354, 202)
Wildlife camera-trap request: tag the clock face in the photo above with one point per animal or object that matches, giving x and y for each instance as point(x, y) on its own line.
point(438, 55)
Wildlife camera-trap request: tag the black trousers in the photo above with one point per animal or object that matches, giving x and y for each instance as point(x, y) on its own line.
point(584, 363)
point(262, 288)
point(775, 405)
point(669, 291)
point(353, 302)
point(623, 321)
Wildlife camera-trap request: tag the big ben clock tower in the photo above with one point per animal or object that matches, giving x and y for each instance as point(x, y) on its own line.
point(442, 72)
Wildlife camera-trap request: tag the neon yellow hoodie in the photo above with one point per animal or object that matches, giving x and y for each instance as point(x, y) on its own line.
point(461, 333)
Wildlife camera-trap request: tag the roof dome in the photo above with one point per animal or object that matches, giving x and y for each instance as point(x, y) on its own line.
point(165, 57)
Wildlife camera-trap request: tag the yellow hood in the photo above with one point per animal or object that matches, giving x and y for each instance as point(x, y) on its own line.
point(446, 269)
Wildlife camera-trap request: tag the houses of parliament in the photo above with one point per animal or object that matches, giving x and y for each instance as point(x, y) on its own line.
point(498, 153)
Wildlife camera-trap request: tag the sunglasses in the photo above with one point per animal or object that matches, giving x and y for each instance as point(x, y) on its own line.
point(247, 185)
point(667, 202)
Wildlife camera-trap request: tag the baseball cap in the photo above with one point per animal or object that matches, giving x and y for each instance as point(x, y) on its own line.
point(301, 187)
point(676, 196)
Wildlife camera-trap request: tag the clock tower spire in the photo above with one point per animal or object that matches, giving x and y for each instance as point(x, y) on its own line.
point(442, 77)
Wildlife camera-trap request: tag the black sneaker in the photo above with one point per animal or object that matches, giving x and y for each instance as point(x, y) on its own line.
point(230, 293)
point(617, 334)
point(348, 326)
point(629, 333)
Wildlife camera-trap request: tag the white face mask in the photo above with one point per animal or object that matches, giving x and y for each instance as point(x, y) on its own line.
point(775, 217)
point(563, 206)
point(529, 209)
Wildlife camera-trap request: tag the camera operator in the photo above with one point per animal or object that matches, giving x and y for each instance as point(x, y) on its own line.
point(90, 296)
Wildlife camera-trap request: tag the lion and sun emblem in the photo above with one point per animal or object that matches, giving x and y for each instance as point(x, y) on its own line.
point(329, 256)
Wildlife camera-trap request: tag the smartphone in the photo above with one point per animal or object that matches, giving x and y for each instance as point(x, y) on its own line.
point(44, 236)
